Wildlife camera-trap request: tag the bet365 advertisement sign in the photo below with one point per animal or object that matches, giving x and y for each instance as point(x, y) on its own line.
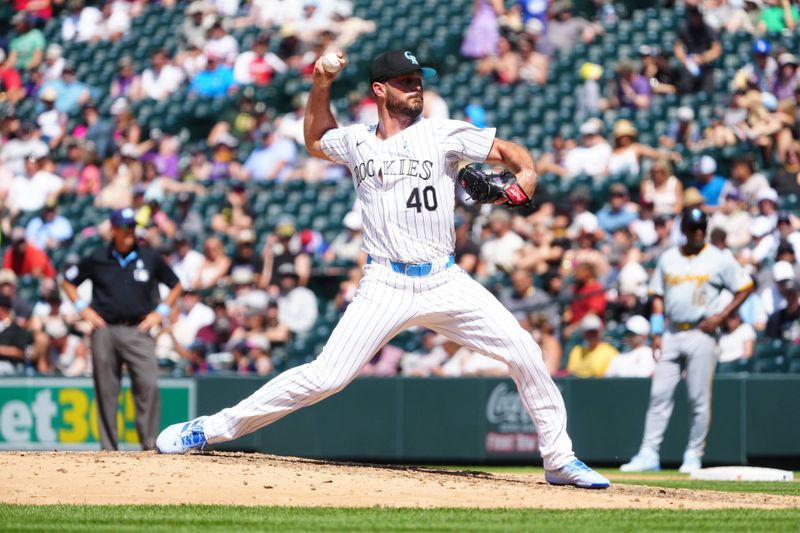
point(61, 414)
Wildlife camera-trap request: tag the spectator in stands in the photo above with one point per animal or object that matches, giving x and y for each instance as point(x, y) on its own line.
point(116, 20)
point(15, 151)
point(588, 297)
point(49, 230)
point(767, 205)
point(627, 153)
point(224, 165)
point(257, 65)
point(71, 93)
point(462, 362)
point(663, 189)
point(656, 70)
point(192, 315)
point(235, 214)
point(13, 339)
point(483, 32)
point(787, 80)
point(786, 179)
point(746, 181)
point(546, 336)
point(220, 45)
point(708, 182)
point(32, 190)
point(763, 243)
point(52, 122)
point(733, 219)
point(24, 259)
point(731, 124)
point(564, 30)
point(746, 18)
point(777, 16)
point(193, 30)
point(185, 261)
point(762, 71)
point(187, 219)
point(158, 81)
point(499, 249)
point(126, 78)
point(83, 23)
point(8, 288)
point(629, 89)
point(467, 251)
point(638, 361)
point(214, 267)
point(618, 212)
point(199, 168)
point(245, 256)
point(696, 48)
point(346, 246)
point(784, 323)
point(26, 48)
point(215, 81)
point(592, 357)
point(297, 306)
point(592, 155)
point(533, 63)
point(98, 131)
point(282, 247)
point(274, 159)
point(10, 81)
point(523, 298)
point(683, 132)
point(385, 363)
point(589, 101)
point(737, 340)
point(503, 65)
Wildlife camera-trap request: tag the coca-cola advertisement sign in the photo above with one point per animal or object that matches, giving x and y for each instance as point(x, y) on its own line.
point(510, 429)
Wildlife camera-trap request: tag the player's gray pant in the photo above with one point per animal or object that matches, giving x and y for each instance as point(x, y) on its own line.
point(112, 346)
point(450, 302)
point(696, 352)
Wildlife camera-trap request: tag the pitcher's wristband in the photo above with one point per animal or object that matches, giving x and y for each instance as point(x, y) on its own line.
point(80, 305)
point(162, 309)
point(656, 324)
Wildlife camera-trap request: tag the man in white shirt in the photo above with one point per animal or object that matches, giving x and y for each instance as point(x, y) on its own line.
point(498, 251)
point(194, 314)
point(257, 65)
point(185, 262)
point(221, 45)
point(14, 152)
point(30, 192)
point(160, 80)
point(638, 362)
point(591, 158)
point(297, 306)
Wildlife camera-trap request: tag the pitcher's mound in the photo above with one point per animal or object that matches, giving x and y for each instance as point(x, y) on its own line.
point(255, 479)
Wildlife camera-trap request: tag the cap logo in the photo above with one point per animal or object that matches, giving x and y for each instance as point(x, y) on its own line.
point(410, 57)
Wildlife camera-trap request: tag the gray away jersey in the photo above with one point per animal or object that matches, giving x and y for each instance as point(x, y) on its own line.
point(406, 183)
point(692, 286)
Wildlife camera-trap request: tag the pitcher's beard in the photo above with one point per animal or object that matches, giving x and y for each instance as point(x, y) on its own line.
point(399, 106)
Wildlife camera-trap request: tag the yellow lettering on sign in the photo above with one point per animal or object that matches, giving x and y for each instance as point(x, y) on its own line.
point(76, 405)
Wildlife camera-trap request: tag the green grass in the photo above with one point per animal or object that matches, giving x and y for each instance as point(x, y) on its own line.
point(206, 519)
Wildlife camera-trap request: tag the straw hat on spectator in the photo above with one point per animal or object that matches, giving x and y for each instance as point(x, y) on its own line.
point(624, 128)
point(48, 95)
point(787, 59)
point(692, 196)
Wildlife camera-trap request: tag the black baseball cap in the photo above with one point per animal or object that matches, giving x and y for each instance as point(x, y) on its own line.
point(396, 63)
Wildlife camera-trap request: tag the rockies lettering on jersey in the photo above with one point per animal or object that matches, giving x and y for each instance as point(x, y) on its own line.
point(692, 285)
point(406, 183)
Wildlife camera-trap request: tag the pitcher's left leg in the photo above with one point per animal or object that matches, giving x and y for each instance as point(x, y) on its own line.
point(465, 311)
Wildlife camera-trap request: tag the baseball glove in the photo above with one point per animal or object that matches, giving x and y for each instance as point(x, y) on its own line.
point(486, 188)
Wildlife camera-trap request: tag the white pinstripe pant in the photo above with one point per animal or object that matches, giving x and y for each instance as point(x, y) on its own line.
point(449, 302)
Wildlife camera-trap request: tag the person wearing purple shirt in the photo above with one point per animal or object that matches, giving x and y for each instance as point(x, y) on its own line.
point(631, 89)
point(787, 80)
point(165, 157)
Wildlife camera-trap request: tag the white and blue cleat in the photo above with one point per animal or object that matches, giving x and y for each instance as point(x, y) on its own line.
point(182, 437)
point(578, 474)
point(691, 463)
point(644, 461)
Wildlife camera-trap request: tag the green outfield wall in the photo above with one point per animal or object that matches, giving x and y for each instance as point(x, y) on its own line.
point(755, 419)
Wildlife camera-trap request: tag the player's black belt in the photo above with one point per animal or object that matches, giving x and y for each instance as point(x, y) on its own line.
point(412, 269)
point(135, 321)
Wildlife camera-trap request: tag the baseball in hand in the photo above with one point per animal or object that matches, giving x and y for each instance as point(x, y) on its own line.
point(330, 62)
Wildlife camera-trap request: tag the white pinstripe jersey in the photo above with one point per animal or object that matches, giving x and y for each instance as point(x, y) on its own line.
point(406, 183)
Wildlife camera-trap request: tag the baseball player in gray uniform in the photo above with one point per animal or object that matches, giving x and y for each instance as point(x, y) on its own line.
point(687, 286)
point(404, 170)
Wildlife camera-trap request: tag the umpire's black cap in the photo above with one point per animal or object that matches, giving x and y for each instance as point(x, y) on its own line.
point(395, 63)
point(692, 219)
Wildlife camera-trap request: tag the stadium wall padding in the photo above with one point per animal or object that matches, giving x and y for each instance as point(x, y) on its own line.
point(481, 420)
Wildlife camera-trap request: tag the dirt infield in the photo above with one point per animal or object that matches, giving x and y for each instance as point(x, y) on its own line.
point(254, 479)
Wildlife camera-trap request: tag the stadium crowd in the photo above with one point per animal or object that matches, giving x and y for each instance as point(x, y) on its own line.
point(574, 270)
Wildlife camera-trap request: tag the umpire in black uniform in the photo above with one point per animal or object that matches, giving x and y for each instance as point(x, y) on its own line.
point(125, 306)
